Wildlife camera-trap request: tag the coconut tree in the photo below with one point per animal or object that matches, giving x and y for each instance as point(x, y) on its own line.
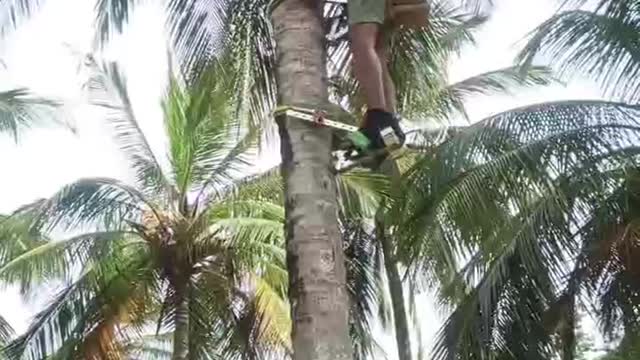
point(293, 43)
point(171, 249)
point(517, 226)
point(561, 208)
point(427, 98)
point(247, 24)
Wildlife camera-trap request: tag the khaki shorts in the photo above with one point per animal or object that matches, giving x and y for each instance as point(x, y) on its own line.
point(367, 11)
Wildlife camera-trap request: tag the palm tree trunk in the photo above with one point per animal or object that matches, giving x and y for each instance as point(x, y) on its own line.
point(315, 258)
point(181, 331)
point(400, 321)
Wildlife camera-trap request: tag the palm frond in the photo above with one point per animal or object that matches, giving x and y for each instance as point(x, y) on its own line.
point(195, 29)
point(501, 81)
point(508, 299)
point(107, 89)
point(14, 12)
point(21, 110)
point(248, 208)
point(418, 60)
point(494, 210)
point(83, 319)
point(100, 202)
point(252, 323)
point(271, 307)
point(111, 18)
point(251, 233)
point(266, 186)
point(151, 347)
point(6, 331)
point(477, 6)
point(254, 233)
point(55, 260)
point(365, 286)
point(208, 146)
point(17, 237)
point(601, 45)
point(510, 141)
point(361, 193)
point(237, 34)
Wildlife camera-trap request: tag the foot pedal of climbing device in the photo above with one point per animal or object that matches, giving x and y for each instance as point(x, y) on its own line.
point(390, 138)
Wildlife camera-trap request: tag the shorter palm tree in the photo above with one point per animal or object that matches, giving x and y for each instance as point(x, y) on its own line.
point(177, 251)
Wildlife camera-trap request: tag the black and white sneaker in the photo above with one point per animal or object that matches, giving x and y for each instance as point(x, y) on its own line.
point(382, 128)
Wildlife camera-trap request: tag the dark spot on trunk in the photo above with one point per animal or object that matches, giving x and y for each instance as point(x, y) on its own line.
point(285, 141)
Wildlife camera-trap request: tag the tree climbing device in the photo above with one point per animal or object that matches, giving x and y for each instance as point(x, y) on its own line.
point(353, 146)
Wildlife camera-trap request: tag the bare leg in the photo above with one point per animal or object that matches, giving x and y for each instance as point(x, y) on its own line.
point(388, 85)
point(367, 65)
point(371, 71)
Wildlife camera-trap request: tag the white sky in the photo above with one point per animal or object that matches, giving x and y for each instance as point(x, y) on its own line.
point(37, 56)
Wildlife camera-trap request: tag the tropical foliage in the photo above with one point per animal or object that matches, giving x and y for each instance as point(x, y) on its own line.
point(529, 216)
point(517, 222)
point(502, 200)
point(598, 39)
point(172, 250)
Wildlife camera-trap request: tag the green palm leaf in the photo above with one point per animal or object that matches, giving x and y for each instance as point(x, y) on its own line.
point(14, 12)
point(237, 34)
point(207, 146)
point(266, 186)
point(108, 90)
point(102, 202)
point(418, 59)
point(6, 332)
point(82, 319)
point(111, 18)
point(496, 82)
point(17, 237)
point(361, 193)
point(600, 44)
point(54, 260)
point(365, 286)
point(497, 202)
point(20, 110)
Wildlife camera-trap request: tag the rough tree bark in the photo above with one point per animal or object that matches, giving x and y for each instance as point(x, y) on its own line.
point(315, 259)
point(181, 331)
point(400, 321)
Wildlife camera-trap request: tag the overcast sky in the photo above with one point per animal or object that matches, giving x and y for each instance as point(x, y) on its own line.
point(40, 56)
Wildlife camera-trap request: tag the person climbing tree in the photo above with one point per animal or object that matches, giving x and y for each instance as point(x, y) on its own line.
point(371, 25)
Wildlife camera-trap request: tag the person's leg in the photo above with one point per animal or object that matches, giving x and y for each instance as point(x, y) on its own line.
point(367, 18)
point(382, 48)
point(367, 66)
point(387, 81)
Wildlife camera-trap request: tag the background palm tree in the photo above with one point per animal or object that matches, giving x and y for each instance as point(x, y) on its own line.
point(519, 220)
point(564, 203)
point(170, 250)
